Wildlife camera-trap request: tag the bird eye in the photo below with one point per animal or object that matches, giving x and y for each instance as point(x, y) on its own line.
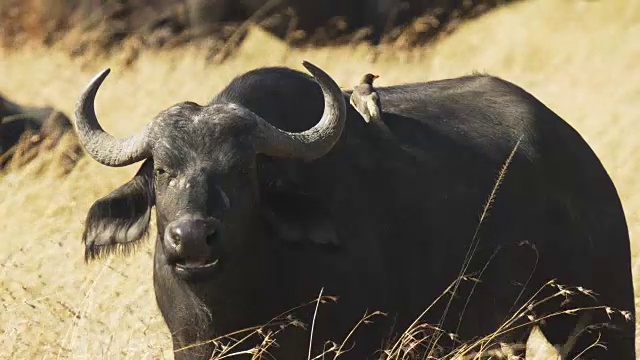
point(160, 171)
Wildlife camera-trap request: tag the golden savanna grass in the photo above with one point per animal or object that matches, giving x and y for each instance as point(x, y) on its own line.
point(581, 58)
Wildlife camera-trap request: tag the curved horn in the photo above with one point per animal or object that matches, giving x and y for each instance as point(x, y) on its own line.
point(312, 143)
point(103, 147)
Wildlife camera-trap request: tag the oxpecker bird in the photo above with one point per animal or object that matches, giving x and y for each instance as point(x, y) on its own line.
point(365, 99)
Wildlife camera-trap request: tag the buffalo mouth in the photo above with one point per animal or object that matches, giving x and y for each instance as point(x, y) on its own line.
point(190, 269)
point(194, 266)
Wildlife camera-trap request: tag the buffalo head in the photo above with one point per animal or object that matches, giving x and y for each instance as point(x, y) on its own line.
point(199, 173)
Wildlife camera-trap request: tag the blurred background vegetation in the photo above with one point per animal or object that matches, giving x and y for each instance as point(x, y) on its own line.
point(99, 25)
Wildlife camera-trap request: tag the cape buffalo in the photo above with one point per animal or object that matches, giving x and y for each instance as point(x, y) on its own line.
point(45, 125)
point(379, 16)
point(260, 206)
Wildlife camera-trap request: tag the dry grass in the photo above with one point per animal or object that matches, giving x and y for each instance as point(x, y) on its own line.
point(578, 57)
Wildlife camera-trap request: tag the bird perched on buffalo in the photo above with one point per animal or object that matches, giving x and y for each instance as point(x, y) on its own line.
point(365, 99)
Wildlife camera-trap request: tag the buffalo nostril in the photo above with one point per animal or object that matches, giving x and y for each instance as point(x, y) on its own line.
point(176, 236)
point(190, 237)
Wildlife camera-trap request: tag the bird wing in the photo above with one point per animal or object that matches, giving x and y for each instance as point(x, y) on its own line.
point(376, 98)
point(373, 106)
point(360, 105)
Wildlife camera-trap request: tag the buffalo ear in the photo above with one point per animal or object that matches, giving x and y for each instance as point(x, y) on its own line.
point(116, 222)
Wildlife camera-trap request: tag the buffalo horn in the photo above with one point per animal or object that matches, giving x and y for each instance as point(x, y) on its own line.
point(316, 141)
point(103, 147)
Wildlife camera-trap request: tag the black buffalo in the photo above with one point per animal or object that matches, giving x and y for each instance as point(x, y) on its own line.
point(322, 21)
point(379, 16)
point(260, 205)
point(44, 126)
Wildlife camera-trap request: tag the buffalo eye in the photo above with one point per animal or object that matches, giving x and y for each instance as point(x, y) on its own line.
point(162, 176)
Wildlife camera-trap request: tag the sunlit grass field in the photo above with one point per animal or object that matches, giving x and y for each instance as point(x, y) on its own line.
point(581, 58)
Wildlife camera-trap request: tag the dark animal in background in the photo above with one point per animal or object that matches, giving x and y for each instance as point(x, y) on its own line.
point(235, 181)
point(39, 128)
point(323, 20)
point(379, 16)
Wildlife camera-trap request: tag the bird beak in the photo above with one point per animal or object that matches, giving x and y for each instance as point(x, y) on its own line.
point(376, 76)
